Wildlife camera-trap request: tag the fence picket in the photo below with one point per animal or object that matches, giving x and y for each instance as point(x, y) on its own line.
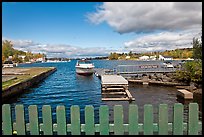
point(148, 119)
point(118, 120)
point(75, 120)
point(104, 120)
point(6, 118)
point(163, 119)
point(178, 119)
point(133, 120)
point(193, 119)
point(20, 122)
point(178, 126)
point(89, 120)
point(33, 119)
point(61, 120)
point(47, 120)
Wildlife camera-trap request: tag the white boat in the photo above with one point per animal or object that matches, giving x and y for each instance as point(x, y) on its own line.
point(168, 65)
point(84, 67)
point(9, 64)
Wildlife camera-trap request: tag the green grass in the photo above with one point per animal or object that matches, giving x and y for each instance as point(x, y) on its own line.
point(20, 78)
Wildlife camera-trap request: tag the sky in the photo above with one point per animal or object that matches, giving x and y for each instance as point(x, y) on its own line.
point(94, 29)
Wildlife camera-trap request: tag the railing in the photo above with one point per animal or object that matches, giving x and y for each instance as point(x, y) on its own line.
point(133, 127)
point(146, 68)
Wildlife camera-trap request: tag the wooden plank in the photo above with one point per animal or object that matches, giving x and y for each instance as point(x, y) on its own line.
point(118, 120)
point(114, 93)
point(47, 120)
point(75, 120)
point(61, 120)
point(148, 119)
point(20, 121)
point(193, 119)
point(114, 85)
point(89, 120)
point(178, 119)
point(115, 99)
point(104, 119)
point(33, 119)
point(133, 120)
point(6, 119)
point(129, 95)
point(117, 88)
point(163, 119)
point(113, 79)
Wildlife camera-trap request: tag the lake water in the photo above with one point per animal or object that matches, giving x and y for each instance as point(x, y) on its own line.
point(65, 87)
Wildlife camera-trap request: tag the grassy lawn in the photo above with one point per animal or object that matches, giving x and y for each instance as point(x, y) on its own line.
point(20, 78)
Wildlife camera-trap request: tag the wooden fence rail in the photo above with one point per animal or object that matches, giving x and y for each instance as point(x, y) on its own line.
point(61, 127)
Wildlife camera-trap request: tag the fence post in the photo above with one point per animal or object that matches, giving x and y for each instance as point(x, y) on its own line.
point(47, 120)
point(104, 120)
point(33, 119)
point(193, 119)
point(6, 118)
point(61, 121)
point(20, 121)
point(178, 119)
point(89, 120)
point(163, 119)
point(75, 120)
point(148, 119)
point(133, 120)
point(118, 120)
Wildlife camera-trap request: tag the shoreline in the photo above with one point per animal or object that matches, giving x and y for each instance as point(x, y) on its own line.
point(18, 87)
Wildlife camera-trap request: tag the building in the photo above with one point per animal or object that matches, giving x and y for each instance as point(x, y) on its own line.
point(22, 56)
point(152, 57)
point(127, 57)
point(165, 58)
point(144, 58)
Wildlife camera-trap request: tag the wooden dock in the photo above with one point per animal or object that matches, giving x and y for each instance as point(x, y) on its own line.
point(115, 88)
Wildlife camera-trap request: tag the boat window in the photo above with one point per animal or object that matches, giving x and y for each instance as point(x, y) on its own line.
point(8, 62)
point(84, 62)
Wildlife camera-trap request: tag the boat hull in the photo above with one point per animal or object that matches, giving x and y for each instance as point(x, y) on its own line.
point(84, 71)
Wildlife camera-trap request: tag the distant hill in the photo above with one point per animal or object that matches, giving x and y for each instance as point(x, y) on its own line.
point(176, 54)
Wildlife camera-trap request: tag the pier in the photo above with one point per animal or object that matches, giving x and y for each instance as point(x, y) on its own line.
point(113, 87)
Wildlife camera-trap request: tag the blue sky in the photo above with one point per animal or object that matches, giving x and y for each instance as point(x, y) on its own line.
point(78, 29)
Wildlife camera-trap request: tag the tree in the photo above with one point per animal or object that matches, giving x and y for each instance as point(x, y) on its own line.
point(113, 56)
point(7, 49)
point(130, 53)
point(191, 72)
point(197, 48)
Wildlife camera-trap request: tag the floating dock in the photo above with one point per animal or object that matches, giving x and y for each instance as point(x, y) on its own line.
point(185, 94)
point(114, 88)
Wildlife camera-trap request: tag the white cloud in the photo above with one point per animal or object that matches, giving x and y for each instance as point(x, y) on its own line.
point(58, 50)
point(148, 16)
point(163, 41)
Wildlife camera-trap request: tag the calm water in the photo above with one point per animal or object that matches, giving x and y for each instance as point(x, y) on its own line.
point(65, 87)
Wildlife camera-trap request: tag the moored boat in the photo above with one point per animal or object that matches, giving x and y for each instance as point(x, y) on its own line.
point(84, 67)
point(168, 65)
